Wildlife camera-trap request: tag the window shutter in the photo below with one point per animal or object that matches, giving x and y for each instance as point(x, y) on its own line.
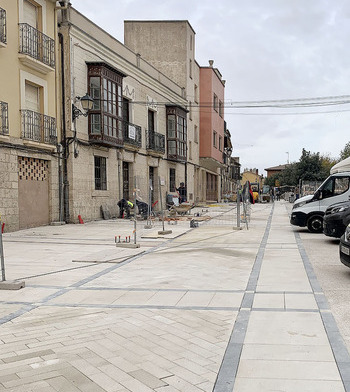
point(30, 14)
point(32, 98)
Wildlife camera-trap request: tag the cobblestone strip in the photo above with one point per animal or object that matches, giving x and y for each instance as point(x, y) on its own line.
point(336, 341)
point(227, 374)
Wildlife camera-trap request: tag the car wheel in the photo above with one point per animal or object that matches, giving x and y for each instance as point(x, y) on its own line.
point(315, 224)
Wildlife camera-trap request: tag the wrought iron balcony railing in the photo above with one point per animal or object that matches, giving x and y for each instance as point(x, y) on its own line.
point(38, 127)
point(4, 122)
point(3, 37)
point(36, 44)
point(132, 134)
point(155, 141)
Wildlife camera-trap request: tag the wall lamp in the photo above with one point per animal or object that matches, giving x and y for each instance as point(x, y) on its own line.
point(86, 103)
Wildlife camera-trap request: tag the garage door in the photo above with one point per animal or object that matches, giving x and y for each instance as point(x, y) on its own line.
point(33, 192)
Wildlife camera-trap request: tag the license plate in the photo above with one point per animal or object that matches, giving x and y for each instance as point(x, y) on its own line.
point(345, 250)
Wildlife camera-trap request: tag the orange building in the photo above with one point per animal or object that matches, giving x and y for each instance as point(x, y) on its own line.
point(212, 131)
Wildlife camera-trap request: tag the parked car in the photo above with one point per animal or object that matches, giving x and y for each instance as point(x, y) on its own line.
point(344, 247)
point(336, 218)
point(309, 210)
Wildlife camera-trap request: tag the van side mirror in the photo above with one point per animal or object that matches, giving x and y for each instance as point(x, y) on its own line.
point(317, 195)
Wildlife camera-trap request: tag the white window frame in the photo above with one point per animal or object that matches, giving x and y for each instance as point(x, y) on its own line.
point(42, 4)
point(28, 77)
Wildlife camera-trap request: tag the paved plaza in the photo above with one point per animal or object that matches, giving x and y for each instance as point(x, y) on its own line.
point(209, 308)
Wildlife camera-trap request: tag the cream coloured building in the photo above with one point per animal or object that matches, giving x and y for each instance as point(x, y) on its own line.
point(135, 135)
point(29, 114)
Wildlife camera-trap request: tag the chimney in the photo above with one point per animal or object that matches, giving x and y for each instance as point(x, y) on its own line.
point(211, 62)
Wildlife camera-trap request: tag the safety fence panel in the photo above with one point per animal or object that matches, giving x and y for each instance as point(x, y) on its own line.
point(146, 200)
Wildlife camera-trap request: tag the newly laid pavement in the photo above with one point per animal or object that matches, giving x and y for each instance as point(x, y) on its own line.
point(210, 308)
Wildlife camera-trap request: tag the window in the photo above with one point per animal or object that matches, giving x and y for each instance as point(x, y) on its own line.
point(215, 103)
point(3, 38)
point(100, 173)
point(195, 93)
point(126, 110)
point(32, 97)
point(220, 109)
point(4, 124)
point(334, 186)
point(191, 42)
point(151, 122)
point(190, 109)
point(220, 143)
point(177, 133)
point(215, 142)
point(105, 87)
point(31, 14)
point(196, 134)
point(190, 68)
point(190, 150)
point(172, 180)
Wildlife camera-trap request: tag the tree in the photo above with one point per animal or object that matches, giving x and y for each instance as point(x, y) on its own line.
point(311, 167)
point(345, 153)
point(327, 162)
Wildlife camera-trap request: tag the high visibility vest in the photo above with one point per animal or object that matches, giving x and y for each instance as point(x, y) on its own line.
point(131, 205)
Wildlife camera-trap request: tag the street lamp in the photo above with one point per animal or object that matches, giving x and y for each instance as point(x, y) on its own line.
point(86, 103)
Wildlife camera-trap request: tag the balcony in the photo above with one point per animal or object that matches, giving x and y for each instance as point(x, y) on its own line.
point(4, 124)
point(36, 49)
point(155, 142)
point(105, 131)
point(132, 134)
point(3, 37)
point(37, 127)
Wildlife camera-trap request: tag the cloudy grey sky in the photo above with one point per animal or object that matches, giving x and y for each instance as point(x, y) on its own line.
point(265, 50)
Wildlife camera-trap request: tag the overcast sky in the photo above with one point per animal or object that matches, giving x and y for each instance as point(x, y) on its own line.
point(265, 50)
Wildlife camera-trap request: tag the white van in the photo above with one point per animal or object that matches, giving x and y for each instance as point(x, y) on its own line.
point(309, 210)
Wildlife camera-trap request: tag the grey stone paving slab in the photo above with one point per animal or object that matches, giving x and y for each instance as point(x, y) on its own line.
point(300, 301)
point(268, 385)
point(294, 370)
point(287, 352)
point(270, 301)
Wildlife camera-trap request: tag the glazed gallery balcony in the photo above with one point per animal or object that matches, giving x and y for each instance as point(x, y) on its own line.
point(36, 49)
point(155, 142)
point(113, 132)
point(38, 127)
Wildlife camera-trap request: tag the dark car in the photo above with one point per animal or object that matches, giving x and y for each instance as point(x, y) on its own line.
point(344, 247)
point(336, 218)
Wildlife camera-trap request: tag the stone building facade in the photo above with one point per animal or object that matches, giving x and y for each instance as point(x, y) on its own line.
point(130, 139)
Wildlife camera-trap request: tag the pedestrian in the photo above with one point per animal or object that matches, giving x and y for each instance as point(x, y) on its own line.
point(182, 193)
point(124, 205)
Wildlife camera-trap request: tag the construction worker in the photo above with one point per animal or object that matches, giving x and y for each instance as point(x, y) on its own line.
point(124, 205)
point(182, 193)
point(143, 208)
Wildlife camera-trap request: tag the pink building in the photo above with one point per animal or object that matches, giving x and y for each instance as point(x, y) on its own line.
point(212, 127)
